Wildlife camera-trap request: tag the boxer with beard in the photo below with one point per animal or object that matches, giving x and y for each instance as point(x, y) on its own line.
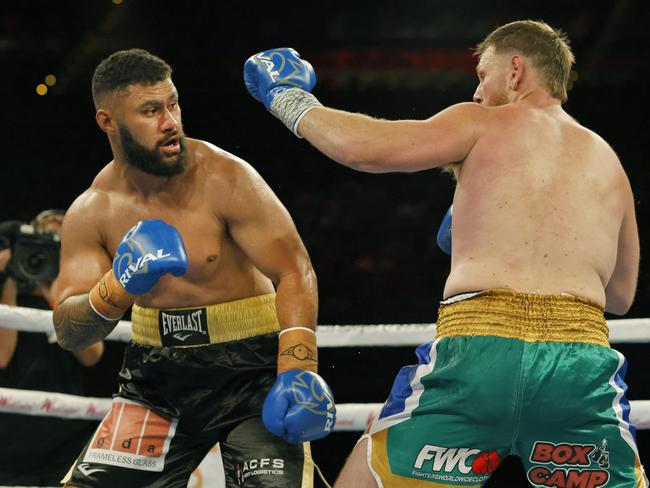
point(223, 297)
point(150, 160)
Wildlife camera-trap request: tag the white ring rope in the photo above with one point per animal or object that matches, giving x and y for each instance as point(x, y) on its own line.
point(350, 416)
point(34, 320)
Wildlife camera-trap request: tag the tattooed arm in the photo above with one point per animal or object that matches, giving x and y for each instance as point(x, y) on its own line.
point(77, 325)
point(84, 261)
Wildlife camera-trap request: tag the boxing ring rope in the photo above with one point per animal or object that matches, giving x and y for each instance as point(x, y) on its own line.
point(383, 335)
point(350, 416)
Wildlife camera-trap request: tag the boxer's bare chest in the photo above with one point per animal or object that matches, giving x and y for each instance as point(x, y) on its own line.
point(191, 213)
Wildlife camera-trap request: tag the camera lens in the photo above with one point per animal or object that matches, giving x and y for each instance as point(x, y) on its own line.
point(37, 265)
point(34, 262)
point(35, 257)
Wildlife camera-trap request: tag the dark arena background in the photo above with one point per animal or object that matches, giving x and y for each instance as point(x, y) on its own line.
point(371, 237)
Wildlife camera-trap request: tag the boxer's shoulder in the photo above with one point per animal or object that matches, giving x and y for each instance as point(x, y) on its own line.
point(93, 198)
point(209, 156)
point(85, 217)
point(221, 168)
point(213, 157)
point(106, 183)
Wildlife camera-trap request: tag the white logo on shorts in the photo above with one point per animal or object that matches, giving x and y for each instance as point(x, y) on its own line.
point(181, 337)
point(86, 469)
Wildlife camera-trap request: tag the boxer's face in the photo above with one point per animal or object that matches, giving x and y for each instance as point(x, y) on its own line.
point(492, 89)
point(150, 130)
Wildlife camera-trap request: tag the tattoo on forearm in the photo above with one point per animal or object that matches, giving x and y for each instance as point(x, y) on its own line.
point(103, 292)
point(77, 325)
point(301, 352)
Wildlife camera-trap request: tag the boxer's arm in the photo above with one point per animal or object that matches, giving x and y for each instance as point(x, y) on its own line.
point(621, 288)
point(90, 356)
point(378, 146)
point(83, 263)
point(77, 325)
point(300, 406)
point(264, 230)
point(282, 80)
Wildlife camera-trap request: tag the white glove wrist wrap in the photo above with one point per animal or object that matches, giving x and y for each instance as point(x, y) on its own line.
point(291, 105)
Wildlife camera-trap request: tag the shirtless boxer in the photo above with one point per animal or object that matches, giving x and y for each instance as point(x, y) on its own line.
point(211, 261)
point(544, 240)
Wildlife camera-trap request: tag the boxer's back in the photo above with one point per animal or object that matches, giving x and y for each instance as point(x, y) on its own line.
point(538, 207)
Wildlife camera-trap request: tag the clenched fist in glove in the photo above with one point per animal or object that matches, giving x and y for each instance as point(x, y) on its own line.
point(281, 80)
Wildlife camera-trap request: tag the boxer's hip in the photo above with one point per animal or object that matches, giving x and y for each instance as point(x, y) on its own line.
point(527, 317)
point(186, 359)
point(506, 370)
point(210, 324)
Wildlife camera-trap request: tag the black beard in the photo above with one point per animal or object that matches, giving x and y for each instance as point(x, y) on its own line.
point(151, 161)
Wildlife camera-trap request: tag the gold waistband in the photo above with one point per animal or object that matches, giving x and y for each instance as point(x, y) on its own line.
point(210, 324)
point(525, 316)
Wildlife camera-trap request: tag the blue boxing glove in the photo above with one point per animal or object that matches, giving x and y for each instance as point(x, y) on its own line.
point(300, 407)
point(271, 72)
point(149, 250)
point(444, 232)
point(281, 80)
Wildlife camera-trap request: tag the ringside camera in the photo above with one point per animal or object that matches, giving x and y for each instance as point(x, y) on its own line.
point(34, 255)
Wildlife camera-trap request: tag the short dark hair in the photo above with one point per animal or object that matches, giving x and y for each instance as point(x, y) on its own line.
point(125, 68)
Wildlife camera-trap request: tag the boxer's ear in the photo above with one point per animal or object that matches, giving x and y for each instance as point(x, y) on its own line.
point(105, 121)
point(517, 68)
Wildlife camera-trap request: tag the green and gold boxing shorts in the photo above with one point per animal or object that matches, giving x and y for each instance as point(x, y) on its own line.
point(510, 373)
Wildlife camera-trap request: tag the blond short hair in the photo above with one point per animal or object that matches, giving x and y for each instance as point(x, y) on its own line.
point(548, 48)
point(46, 217)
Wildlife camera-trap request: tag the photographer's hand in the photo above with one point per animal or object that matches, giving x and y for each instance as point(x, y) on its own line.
point(5, 257)
point(9, 291)
point(44, 290)
point(8, 337)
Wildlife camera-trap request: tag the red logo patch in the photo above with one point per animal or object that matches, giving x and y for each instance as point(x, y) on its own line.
point(486, 463)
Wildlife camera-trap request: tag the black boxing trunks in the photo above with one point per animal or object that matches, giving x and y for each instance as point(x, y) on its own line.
point(175, 402)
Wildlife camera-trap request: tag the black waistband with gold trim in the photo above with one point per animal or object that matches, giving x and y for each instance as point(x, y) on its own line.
point(210, 324)
point(526, 316)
